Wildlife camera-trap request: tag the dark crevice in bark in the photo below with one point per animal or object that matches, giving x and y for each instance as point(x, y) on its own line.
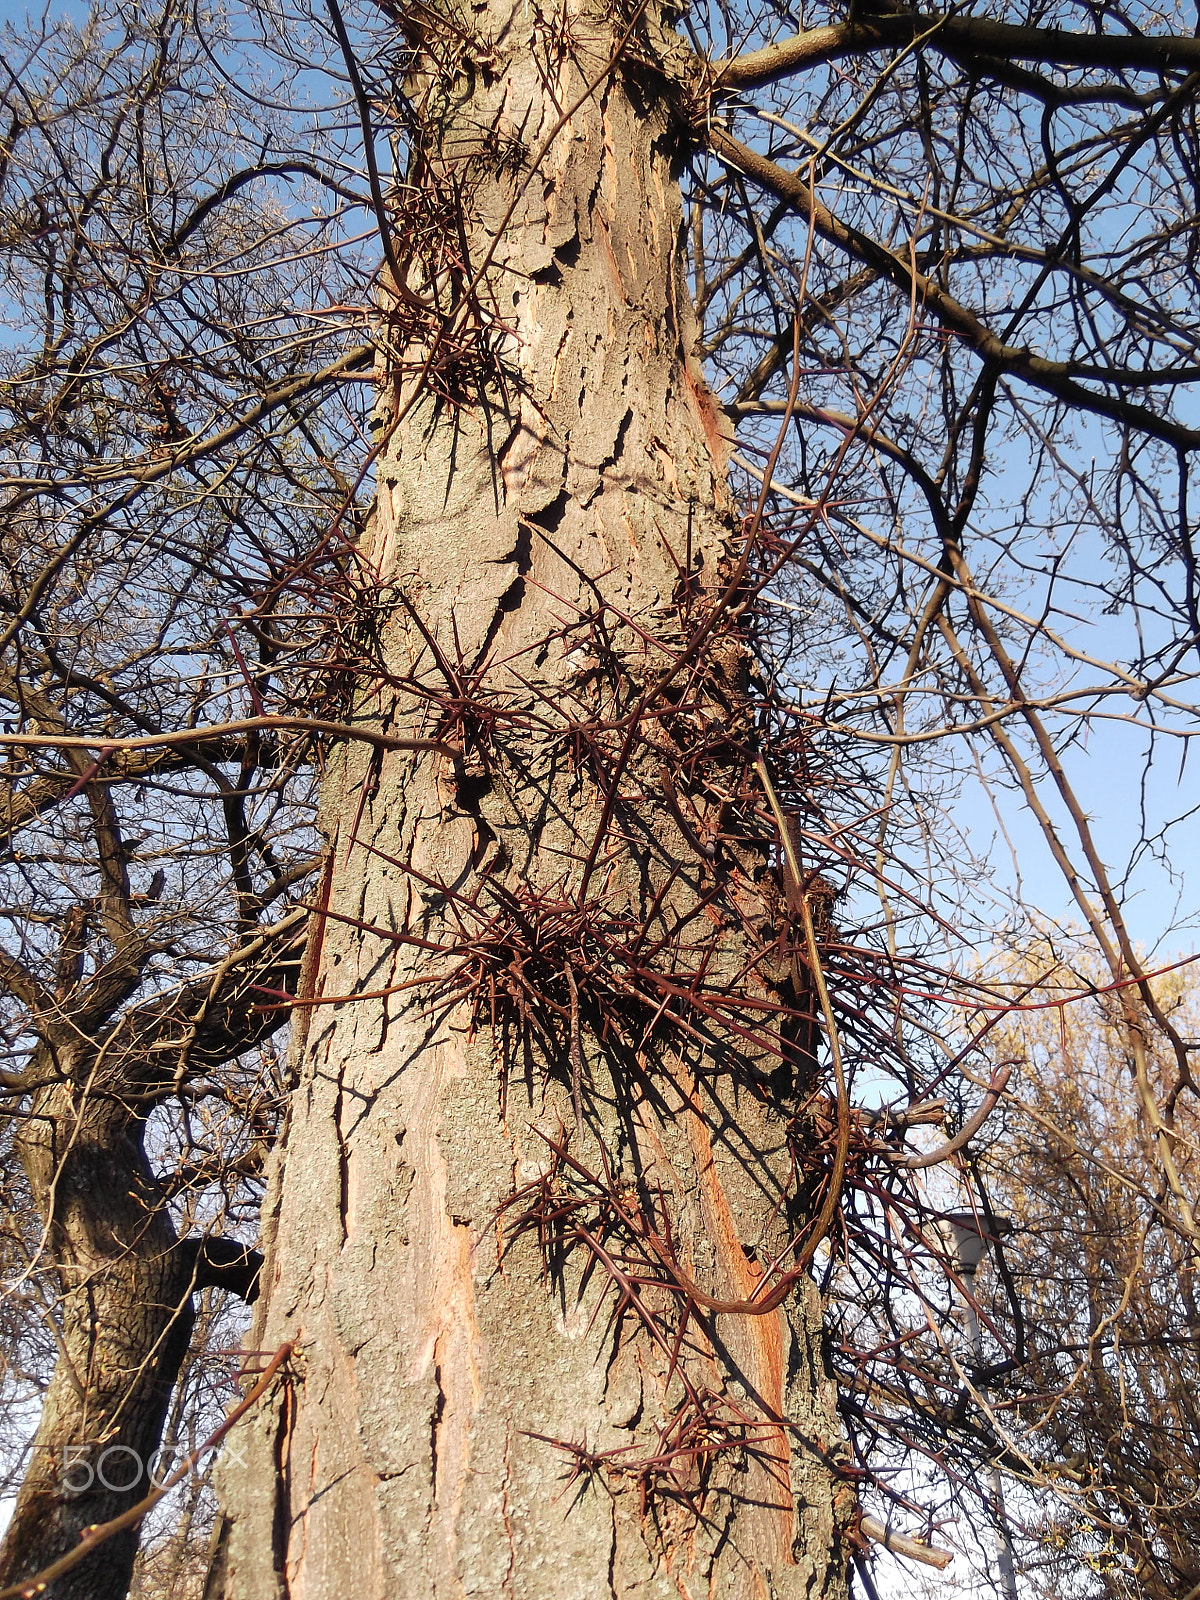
point(549, 518)
point(618, 446)
point(435, 1423)
point(521, 556)
point(343, 1168)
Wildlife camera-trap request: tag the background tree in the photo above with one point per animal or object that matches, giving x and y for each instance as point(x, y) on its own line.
point(172, 506)
point(1108, 1291)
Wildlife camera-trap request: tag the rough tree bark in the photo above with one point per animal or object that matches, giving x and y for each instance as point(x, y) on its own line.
point(557, 561)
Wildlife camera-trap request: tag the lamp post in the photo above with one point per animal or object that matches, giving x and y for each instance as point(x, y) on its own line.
point(967, 1242)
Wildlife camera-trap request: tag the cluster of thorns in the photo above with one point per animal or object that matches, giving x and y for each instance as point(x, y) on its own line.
point(628, 1237)
point(538, 963)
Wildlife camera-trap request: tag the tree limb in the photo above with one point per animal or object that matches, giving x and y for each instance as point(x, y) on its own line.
point(1052, 377)
point(951, 35)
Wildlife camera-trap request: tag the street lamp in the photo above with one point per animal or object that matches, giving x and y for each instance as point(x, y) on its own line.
point(967, 1242)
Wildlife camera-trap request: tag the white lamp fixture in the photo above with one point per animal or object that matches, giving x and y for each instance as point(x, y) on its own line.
point(967, 1239)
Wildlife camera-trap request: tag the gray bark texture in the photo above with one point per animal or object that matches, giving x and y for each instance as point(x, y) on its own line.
point(509, 1185)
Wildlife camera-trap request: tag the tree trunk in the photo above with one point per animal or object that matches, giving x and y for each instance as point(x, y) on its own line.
point(126, 1319)
point(125, 1282)
point(513, 1186)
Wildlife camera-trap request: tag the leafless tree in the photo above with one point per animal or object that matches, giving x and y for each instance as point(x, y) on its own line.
point(782, 439)
point(1106, 1404)
point(915, 241)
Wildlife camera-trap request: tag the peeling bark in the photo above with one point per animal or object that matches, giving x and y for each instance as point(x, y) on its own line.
point(548, 530)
